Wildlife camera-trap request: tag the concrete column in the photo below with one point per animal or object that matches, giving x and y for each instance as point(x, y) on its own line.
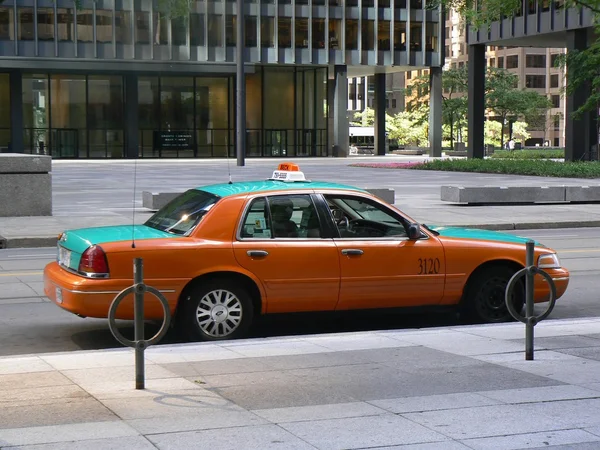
point(132, 131)
point(576, 130)
point(380, 104)
point(435, 111)
point(16, 113)
point(341, 142)
point(476, 100)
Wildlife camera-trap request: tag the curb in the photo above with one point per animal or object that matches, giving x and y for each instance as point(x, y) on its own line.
point(50, 241)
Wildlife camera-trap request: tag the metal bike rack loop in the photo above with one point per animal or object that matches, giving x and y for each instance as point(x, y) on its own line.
point(139, 343)
point(530, 320)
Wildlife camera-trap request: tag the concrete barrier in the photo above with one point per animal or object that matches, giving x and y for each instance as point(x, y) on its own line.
point(156, 200)
point(499, 194)
point(25, 185)
point(582, 193)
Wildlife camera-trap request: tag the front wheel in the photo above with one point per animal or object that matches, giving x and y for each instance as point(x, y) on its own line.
point(486, 296)
point(217, 310)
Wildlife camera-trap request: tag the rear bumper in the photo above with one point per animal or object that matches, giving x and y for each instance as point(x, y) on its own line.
point(87, 297)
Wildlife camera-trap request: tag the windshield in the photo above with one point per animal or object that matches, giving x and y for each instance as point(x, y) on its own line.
point(182, 214)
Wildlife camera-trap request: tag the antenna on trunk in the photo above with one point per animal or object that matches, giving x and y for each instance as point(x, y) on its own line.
point(133, 204)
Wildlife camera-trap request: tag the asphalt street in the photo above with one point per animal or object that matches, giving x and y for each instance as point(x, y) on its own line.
point(29, 323)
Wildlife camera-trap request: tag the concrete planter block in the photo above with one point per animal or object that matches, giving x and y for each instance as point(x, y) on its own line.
point(497, 194)
point(582, 193)
point(385, 194)
point(25, 185)
point(156, 200)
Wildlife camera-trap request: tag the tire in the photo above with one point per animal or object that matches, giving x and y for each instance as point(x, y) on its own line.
point(485, 300)
point(217, 310)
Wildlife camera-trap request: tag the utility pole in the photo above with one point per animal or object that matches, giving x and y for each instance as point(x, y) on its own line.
point(240, 87)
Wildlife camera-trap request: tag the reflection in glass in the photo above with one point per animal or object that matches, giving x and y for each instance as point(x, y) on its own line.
point(351, 34)
point(26, 24)
point(400, 36)
point(68, 107)
point(123, 31)
point(142, 27)
point(66, 24)
point(301, 32)
point(368, 35)
point(4, 100)
point(148, 102)
point(197, 29)
point(212, 120)
point(267, 31)
point(285, 32)
point(335, 34)
point(215, 30)
point(431, 36)
point(179, 31)
point(383, 35)
point(415, 36)
point(318, 32)
point(85, 29)
point(7, 24)
point(230, 30)
point(36, 113)
point(103, 25)
point(176, 103)
point(161, 29)
point(105, 101)
point(251, 30)
point(45, 19)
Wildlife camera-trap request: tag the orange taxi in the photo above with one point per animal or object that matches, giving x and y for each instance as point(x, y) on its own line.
point(223, 254)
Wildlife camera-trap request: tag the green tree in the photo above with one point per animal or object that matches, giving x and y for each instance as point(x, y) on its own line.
point(454, 111)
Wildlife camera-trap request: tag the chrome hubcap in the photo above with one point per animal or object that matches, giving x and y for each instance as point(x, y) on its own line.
point(219, 313)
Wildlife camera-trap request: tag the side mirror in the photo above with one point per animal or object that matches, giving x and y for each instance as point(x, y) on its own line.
point(414, 231)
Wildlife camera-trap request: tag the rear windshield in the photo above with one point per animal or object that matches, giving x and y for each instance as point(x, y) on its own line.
point(182, 214)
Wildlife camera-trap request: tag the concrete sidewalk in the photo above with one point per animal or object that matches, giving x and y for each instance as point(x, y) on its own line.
point(97, 193)
point(465, 387)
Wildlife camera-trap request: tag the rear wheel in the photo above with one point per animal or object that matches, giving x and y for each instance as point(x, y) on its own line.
point(217, 310)
point(486, 295)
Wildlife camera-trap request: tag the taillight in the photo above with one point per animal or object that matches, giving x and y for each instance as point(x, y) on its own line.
point(93, 262)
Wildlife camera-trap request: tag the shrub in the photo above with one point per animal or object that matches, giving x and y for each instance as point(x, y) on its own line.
point(529, 154)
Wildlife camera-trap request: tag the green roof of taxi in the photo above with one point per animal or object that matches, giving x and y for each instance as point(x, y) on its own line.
point(246, 187)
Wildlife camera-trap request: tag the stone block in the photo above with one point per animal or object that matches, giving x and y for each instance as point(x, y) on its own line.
point(582, 193)
point(500, 194)
point(25, 194)
point(22, 163)
point(385, 194)
point(156, 200)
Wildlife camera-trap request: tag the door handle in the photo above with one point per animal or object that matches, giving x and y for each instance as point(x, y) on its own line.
point(352, 252)
point(257, 253)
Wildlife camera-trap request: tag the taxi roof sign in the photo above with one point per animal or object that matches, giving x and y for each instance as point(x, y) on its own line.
point(288, 172)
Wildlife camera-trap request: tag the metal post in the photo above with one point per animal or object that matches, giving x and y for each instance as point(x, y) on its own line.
point(240, 86)
point(529, 302)
point(138, 315)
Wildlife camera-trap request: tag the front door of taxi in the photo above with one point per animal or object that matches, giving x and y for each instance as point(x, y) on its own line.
point(280, 242)
point(380, 266)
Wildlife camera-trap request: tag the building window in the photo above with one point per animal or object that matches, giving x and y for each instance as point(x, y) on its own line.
point(393, 103)
point(501, 62)
point(197, 29)
point(26, 24)
point(105, 115)
point(284, 32)
point(447, 51)
point(512, 62)
point(267, 31)
point(409, 75)
point(104, 22)
point(351, 34)
point(556, 121)
point(461, 64)
point(179, 31)
point(556, 101)
point(335, 34)
point(535, 81)
point(415, 37)
point(123, 31)
point(535, 61)
point(7, 24)
point(383, 35)
point(251, 29)
point(230, 31)
point(66, 24)
point(431, 37)
point(215, 31)
point(318, 33)
point(447, 34)
point(301, 32)
point(492, 62)
point(45, 19)
point(387, 103)
point(85, 29)
point(142, 27)
point(554, 59)
point(368, 35)
point(554, 81)
point(399, 36)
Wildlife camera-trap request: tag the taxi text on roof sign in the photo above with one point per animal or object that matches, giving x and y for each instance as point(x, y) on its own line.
point(289, 172)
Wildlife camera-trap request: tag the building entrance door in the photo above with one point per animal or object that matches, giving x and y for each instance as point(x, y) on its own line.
point(276, 143)
point(65, 143)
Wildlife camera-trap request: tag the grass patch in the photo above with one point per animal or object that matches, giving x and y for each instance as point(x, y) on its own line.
point(528, 154)
point(540, 168)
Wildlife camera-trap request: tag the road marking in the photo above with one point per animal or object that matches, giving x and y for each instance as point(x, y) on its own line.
point(18, 274)
point(589, 250)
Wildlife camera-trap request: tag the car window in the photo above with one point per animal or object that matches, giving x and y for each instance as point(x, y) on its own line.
point(282, 216)
point(182, 214)
point(361, 218)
